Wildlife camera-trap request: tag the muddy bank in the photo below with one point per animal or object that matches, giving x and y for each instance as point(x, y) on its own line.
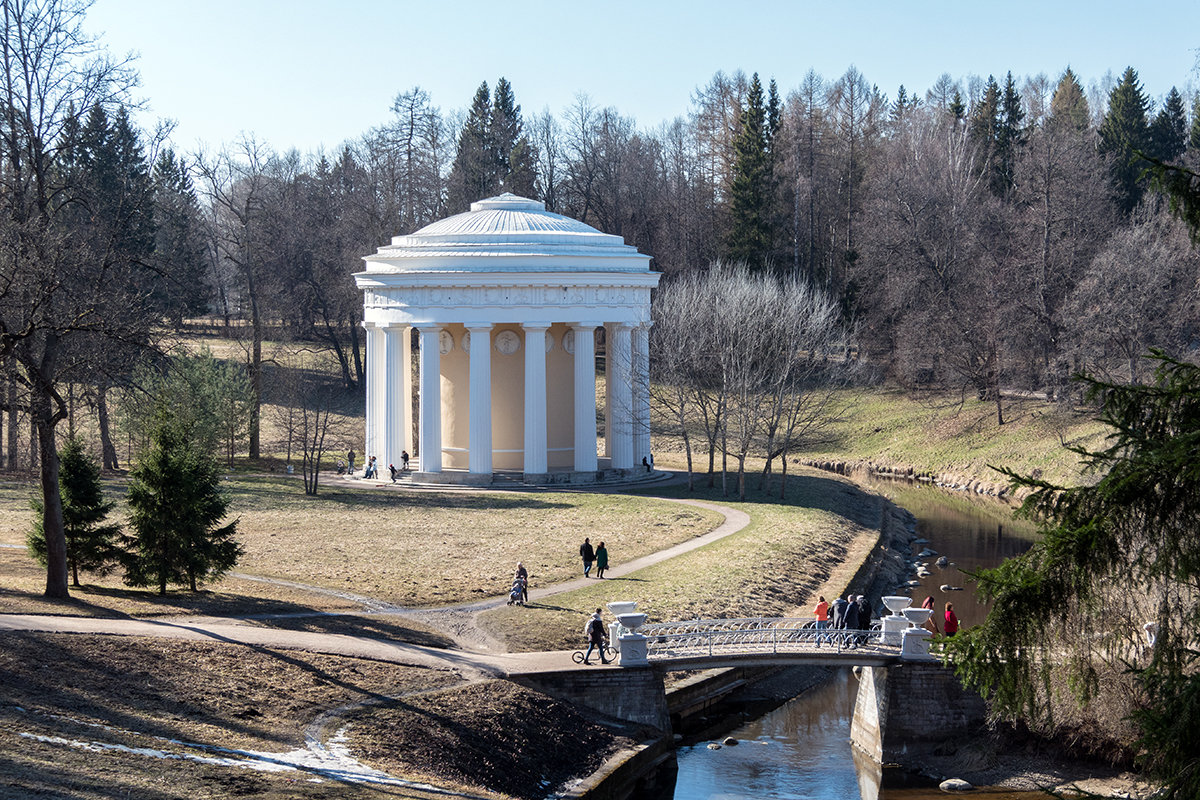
point(950, 481)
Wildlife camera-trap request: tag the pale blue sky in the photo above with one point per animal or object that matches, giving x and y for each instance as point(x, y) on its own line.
point(304, 73)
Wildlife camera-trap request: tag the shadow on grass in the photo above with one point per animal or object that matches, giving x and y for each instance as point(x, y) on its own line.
point(372, 627)
point(266, 492)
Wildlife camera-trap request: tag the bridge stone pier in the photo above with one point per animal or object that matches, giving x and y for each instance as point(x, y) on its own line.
point(911, 707)
point(632, 694)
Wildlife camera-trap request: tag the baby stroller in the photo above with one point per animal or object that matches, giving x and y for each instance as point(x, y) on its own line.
point(516, 595)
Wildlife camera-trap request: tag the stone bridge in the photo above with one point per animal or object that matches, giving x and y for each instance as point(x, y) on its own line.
point(906, 699)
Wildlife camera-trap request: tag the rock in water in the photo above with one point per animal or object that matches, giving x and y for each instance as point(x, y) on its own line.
point(955, 785)
point(729, 740)
point(714, 746)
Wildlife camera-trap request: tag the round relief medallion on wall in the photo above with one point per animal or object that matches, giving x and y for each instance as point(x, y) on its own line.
point(466, 342)
point(445, 342)
point(549, 343)
point(507, 342)
point(569, 342)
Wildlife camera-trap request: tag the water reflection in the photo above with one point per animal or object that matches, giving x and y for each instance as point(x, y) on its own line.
point(802, 749)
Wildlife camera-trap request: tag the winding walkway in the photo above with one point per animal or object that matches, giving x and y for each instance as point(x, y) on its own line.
point(477, 657)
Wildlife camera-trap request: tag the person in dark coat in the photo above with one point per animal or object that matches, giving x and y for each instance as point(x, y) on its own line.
point(601, 560)
point(864, 612)
point(839, 614)
point(851, 614)
point(588, 554)
point(594, 630)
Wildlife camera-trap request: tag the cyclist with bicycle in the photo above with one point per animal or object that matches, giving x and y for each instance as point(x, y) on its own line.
point(594, 631)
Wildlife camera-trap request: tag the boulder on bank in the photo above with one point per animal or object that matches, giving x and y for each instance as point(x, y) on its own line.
point(955, 785)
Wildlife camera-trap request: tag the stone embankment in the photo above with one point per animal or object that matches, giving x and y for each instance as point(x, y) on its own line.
point(944, 480)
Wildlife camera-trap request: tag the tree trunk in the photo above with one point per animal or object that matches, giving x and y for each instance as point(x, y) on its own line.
point(14, 458)
point(52, 518)
point(108, 453)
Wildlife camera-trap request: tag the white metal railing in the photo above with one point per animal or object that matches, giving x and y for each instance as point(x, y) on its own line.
point(757, 635)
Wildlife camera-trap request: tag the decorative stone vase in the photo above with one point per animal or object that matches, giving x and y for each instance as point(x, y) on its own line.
point(896, 603)
point(619, 607)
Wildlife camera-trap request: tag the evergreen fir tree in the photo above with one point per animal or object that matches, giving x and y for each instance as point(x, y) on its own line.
point(180, 251)
point(1194, 134)
point(175, 506)
point(750, 237)
point(1069, 105)
point(1123, 132)
point(957, 107)
point(1168, 132)
point(91, 544)
point(774, 113)
point(473, 175)
point(900, 107)
point(1010, 136)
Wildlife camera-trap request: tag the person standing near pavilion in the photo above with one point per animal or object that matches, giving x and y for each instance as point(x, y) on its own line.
point(588, 554)
point(350, 462)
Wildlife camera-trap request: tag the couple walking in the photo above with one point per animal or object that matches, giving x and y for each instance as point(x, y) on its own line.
point(599, 555)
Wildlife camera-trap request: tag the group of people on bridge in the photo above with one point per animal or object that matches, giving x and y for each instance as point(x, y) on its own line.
point(851, 613)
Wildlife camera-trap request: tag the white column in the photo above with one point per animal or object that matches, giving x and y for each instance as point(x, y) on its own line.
point(585, 396)
point(535, 397)
point(608, 390)
point(430, 399)
point(480, 432)
point(622, 396)
point(395, 414)
point(374, 406)
point(641, 392)
point(406, 389)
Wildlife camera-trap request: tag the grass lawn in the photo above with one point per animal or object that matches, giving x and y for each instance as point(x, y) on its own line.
point(410, 548)
point(943, 435)
point(811, 543)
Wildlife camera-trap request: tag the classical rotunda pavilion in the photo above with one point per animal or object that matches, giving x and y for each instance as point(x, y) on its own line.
point(508, 300)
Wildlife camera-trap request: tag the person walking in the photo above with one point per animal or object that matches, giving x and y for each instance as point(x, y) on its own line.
point(404, 460)
point(394, 472)
point(594, 631)
point(951, 620)
point(839, 614)
point(851, 616)
point(522, 575)
point(601, 560)
point(822, 614)
point(588, 554)
point(931, 623)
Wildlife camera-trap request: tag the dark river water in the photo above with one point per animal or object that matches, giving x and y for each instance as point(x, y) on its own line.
point(802, 749)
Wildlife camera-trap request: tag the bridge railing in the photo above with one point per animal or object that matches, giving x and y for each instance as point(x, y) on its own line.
point(755, 635)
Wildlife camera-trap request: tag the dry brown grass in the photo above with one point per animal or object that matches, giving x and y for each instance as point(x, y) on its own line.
point(141, 693)
point(791, 551)
point(410, 548)
point(504, 737)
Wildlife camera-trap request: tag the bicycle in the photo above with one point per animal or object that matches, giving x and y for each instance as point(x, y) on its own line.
point(608, 652)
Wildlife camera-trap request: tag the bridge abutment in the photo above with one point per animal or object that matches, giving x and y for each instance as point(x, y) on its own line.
point(910, 708)
point(631, 694)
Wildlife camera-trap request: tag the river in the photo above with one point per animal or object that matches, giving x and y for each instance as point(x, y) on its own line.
point(802, 749)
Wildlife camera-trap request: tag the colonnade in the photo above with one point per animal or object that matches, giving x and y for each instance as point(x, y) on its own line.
point(491, 350)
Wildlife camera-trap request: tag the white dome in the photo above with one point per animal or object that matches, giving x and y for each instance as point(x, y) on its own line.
point(508, 234)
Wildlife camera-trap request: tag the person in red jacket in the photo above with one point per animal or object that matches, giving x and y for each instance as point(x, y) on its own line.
point(951, 620)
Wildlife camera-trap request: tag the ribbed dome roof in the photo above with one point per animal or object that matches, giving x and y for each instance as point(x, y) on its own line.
point(507, 233)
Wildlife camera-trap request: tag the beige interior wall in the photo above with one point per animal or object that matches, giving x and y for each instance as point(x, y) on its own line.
point(508, 404)
point(560, 401)
point(456, 401)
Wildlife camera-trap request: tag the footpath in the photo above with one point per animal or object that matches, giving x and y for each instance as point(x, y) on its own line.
point(471, 659)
